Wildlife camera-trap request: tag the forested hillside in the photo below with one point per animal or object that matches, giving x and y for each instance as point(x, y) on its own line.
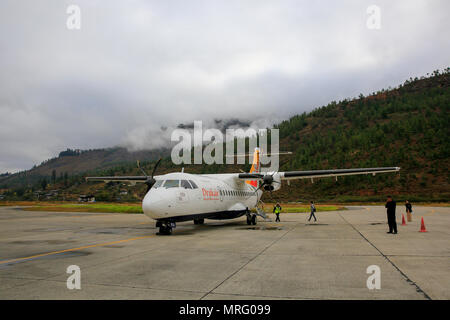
point(407, 126)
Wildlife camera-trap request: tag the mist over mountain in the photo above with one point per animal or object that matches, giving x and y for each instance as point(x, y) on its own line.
point(406, 126)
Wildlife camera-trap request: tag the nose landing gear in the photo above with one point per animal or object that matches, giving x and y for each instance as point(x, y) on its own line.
point(165, 227)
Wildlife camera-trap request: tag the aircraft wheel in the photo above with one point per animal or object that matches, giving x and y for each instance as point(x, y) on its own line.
point(249, 220)
point(165, 230)
point(254, 219)
point(199, 221)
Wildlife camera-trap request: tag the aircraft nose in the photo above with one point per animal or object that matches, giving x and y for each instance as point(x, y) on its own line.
point(153, 204)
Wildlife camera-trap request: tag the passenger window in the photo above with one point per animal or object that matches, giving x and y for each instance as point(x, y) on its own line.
point(185, 184)
point(158, 184)
point(172, 184)
point(194, 186)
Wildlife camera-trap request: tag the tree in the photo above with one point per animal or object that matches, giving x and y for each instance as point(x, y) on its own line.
point(54, 176)
point(44, 183)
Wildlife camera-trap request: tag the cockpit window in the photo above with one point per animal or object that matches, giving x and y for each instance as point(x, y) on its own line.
point(185, 184)
point(158, 184)
point(193, 184)
point(171, 184)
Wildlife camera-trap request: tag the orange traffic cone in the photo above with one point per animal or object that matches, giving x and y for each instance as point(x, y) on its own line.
point(422, 227)
point(403, 220)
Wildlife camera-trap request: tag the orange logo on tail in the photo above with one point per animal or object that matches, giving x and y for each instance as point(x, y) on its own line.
point(255, 168)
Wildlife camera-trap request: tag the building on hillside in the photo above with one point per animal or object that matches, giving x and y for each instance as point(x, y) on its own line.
point(86, 198)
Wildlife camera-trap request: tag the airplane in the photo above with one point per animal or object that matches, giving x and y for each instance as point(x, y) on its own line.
point(181, 196)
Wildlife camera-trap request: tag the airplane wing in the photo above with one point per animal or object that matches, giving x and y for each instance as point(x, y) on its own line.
point(130, 179)
point(310, 174)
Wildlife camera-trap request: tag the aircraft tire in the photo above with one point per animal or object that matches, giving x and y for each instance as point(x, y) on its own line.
point(249, 220)
point(165, 230)
point(199, 221)
point(254, 219)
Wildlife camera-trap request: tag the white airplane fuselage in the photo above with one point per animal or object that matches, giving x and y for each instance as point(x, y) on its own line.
point(217, 196)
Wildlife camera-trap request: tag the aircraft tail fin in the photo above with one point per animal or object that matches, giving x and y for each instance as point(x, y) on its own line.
point(256, 167)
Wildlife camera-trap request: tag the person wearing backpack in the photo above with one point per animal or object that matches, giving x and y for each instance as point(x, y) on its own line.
point(408, 206)
point(313, 209)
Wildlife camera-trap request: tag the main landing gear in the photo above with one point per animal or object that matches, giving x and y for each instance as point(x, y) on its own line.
point(165, 228)
point(199, 221)
point(251, 218)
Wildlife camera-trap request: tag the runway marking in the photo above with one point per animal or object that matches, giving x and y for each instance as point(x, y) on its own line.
point(248, 262)
point(73, 249)
point(418, 289)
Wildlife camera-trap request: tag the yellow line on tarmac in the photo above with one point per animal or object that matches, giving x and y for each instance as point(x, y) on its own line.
point(74, 249)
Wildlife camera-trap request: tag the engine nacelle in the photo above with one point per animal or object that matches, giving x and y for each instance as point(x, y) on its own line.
point(272, 182)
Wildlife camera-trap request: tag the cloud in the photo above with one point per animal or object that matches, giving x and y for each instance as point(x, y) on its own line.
point(138, 66)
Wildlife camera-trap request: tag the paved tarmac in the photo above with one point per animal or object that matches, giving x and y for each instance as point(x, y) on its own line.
point(121, 257)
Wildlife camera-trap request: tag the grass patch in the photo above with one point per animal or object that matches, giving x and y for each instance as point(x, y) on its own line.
point(137, 208)
point(89, 207)
point(297, 208)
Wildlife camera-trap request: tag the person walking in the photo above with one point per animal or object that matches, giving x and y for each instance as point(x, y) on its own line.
point(390, 206)
point(277, 211)
point(313, 209)
point(408, 206)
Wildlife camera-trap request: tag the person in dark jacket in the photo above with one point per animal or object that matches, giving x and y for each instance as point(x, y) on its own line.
point(390, 206)
point(277, 210)
point(313, 209)
point(408, 210)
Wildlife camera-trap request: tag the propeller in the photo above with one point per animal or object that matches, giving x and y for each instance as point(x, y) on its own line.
point(267, 182)
point(150, 180)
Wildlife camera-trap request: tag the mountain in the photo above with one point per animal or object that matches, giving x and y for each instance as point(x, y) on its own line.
point(407, 126)
point(75, 162)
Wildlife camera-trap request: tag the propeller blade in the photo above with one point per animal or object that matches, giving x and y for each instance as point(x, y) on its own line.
point(156, 166)
point(138, 163)
point(150, 180)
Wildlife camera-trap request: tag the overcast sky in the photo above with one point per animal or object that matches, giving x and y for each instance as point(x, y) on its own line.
point(135, 66)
